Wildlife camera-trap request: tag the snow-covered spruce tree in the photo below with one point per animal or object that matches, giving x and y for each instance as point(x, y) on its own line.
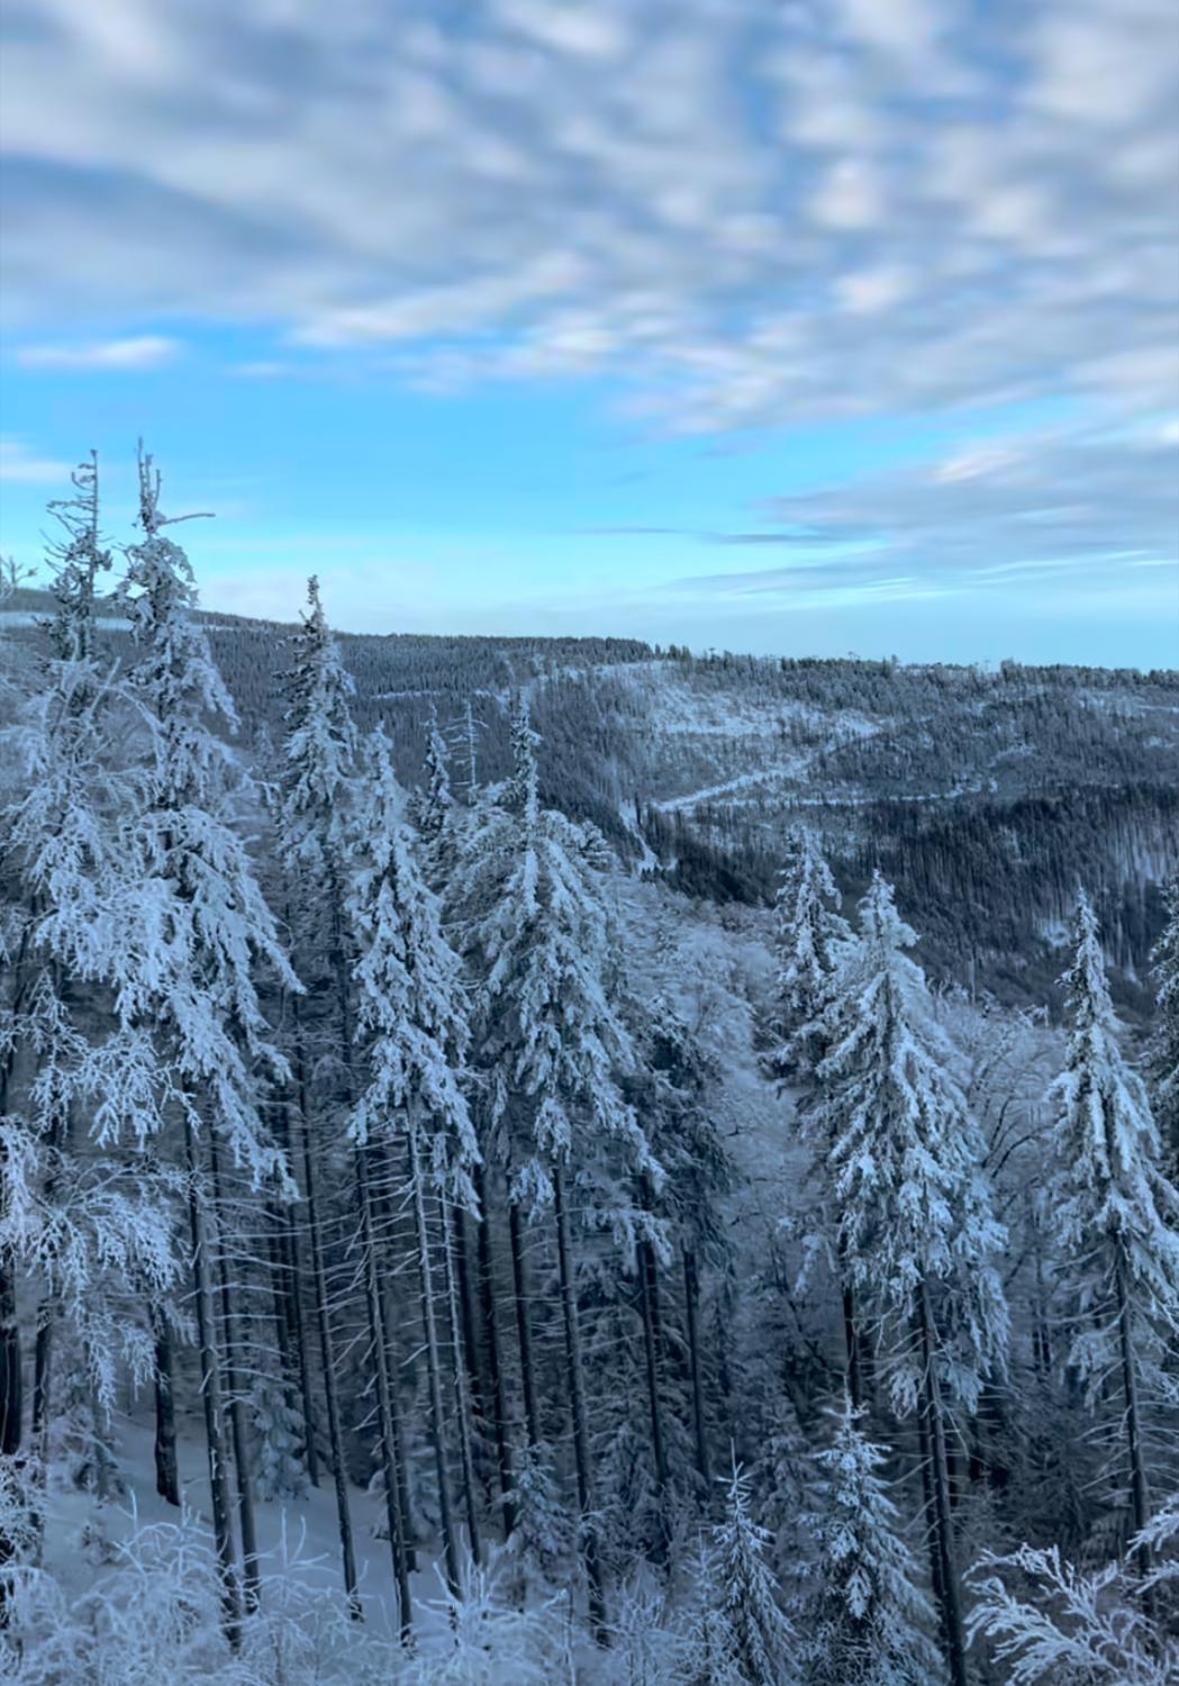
point(317, 800)
point(431, 809)
point(201, 930)
point(1164, 1047)
point(812, 942)
point(83, 1214)
point(865, 1620)
point(277, 1428)
point(673, 1073)
point(750, 1639)
point(55, 737)
point(552, 1046)
point(321, 839)
point(411, 1020)
point(916, 1233)
point(810, 935)
point(1114, 1215)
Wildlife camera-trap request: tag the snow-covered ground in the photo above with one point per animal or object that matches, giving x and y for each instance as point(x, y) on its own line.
point(125, 1596)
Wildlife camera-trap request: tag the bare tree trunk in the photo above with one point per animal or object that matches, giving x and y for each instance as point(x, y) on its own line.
point(925, 1454)
point(288, 1289)
point(462, 1397)
point(691, 1308)
point(42, 1370)
point(211, 1395)
point(851, 1340)
point(251, 1562)
point(653, 1354)
point(523, 1323)
point(384, 1219)
point(495, 1376)
point(581, 1444)
point(11, 1368)
point(433, 1365)
point(167, 1473)
point(943, 1532)
point(392, 1463)
point(326, 1345)
point(390, 1449)
point(1139, 1491)
point(469, 1352)
point(11, 1394)
point(11, 1373)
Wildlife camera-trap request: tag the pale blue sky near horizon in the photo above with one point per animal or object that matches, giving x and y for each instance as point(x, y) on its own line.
point(801, 328)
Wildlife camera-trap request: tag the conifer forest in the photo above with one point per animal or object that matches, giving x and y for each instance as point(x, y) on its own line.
point(569, 1161)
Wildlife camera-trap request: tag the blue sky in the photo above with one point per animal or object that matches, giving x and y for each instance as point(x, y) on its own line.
point(788, 327)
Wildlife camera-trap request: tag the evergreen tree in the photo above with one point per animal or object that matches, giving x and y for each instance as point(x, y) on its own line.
point(1164, 1048)
point(916, 1233)
point(906, 1163)
point(867, 1623)
point(411, 1017)
point(201, 930)
point(1115, 1216)
point(552, 1046)
point(752, 1641)
point(432, 804)
point(813, 943)
point(83, 1212)
point(315, 808)
point(809, 938)
point(281, 1474)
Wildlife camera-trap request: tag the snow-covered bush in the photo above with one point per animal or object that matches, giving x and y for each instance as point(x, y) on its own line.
point(1050, 1624)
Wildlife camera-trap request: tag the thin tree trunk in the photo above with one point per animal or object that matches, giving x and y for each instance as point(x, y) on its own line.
point(384, 1221)
point(251, 1563)
point(461, 1394)
point(390, 1450)
point(11, 1374)
point(495, 1377)
point(42, 1369)
point(11, 1370)
point(393, 1464)
point(167, 1473)
point(925, 1453)
point(331, 1397)
point(523, 1323)
point(1041, 1338)
point(468, 1353)
point(943, 1538)
point(691, 1308)
point(1139, 1492)
point(653, 1355)
point(289, 1290)
point(649, 1300)
point(581, 1444)
point(851, 1339)
point(214, 1408)
point(286, 1349)
point(433, 1365)
point(11, 1367)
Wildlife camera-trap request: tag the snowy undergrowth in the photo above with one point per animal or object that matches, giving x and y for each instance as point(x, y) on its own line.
point(128, 1590)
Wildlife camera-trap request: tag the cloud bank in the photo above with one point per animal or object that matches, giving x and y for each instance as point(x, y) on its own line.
point(754, 209)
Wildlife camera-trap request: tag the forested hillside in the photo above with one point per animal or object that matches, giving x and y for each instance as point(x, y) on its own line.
point(986, 797)
point(560, 1160)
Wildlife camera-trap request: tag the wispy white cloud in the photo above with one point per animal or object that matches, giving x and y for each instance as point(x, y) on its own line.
point(748, 211)
point(19, 466)
point(143, 351)
point(753, 210)
point(1092, 502)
